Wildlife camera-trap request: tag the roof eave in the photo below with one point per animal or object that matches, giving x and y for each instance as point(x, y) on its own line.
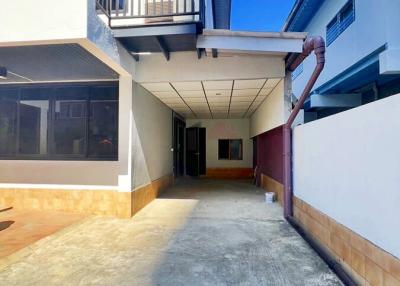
point(292, 14)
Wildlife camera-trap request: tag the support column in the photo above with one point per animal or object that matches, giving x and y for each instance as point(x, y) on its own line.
point(125, 134)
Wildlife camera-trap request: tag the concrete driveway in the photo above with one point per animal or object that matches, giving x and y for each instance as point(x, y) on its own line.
point(201, 232)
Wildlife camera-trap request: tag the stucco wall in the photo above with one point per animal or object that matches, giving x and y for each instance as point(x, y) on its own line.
point(151, 138)
point(347, 166)
point(225, 129)
point(374, 26)
point(271, 112)
point(45, 20)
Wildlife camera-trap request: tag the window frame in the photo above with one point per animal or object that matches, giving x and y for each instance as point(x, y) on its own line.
point(229, 150)
point(338, 21)
point(50, 155)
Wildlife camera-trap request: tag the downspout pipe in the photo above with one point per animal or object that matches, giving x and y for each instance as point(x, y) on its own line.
point(316, 44)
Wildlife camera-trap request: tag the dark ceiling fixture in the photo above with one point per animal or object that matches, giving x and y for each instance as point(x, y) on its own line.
point(3, 72)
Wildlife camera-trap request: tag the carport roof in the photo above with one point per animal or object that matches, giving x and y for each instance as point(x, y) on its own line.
point(218, 99)
point(280, 43)
point(52, 63)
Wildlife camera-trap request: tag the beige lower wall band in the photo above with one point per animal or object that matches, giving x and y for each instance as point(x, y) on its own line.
point(366, 262)
point(94, 202)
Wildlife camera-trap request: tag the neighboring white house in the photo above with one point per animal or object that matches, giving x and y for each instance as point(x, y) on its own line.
point(362, 54)
point(346, 166)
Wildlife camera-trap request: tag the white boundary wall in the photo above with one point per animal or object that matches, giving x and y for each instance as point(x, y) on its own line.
point(348, 167)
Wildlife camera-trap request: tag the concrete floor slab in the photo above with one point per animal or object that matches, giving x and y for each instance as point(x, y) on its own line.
point(200, 232)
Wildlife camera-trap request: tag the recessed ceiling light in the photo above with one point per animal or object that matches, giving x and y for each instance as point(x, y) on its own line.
point(3, 73)
point(141, 53)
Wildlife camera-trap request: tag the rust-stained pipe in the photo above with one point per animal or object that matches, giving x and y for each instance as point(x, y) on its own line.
point(316, 44)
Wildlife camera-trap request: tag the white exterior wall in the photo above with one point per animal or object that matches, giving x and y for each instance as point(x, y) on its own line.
point(271, 112)
point(225, 129)
point(27, 22)
point(45, 20)
point(375, 25)
point(151, 138)
point(347, 166)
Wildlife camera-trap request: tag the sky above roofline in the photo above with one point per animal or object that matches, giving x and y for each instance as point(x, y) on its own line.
point(260, 15)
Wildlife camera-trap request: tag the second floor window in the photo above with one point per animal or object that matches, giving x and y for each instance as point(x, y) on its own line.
point(340, 22)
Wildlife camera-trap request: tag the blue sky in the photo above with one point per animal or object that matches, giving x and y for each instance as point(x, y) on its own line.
point(260, 15)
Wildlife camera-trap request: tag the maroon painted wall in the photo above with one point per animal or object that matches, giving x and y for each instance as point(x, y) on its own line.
point(270, 154)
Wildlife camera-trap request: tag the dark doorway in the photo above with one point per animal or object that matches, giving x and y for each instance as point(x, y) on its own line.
point(179, 147)
point(195, 151)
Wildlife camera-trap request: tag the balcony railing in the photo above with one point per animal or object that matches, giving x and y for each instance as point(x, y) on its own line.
point(143, 12)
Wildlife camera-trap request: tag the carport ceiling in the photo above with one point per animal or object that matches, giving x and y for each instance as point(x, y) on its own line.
point(237, 98)
point(52, 63)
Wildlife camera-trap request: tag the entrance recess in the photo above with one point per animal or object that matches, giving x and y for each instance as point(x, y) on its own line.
point(195, 151)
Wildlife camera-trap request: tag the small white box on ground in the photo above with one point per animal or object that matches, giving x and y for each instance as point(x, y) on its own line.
point(269, 197)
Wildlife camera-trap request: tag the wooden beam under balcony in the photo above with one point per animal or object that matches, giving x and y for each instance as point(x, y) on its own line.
point(163, 47)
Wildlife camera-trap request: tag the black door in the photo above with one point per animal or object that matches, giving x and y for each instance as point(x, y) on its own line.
point(179, 147)
point(195, 151)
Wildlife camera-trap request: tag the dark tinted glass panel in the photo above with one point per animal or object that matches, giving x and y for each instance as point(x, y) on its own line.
point(33, 121)
point(70, 121)
point(103, 123)
point(57, 122)
point(236, 149)
point(223, 149)
point(347, 10)
point(8, 121)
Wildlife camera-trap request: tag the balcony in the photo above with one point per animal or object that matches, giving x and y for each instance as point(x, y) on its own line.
point(154, 26)
point(136, 13)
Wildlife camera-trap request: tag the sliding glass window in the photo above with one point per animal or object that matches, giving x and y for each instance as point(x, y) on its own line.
point(103, 123)
point(8, 121)
point(70, 121)
point(59, 122)
point(33, 121)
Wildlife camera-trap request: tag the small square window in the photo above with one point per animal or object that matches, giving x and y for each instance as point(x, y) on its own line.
point(230, 149)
